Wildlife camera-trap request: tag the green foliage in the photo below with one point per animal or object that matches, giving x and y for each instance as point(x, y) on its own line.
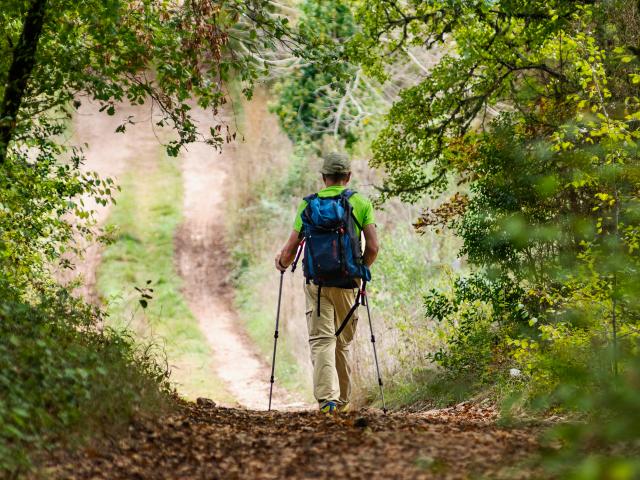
point(110, 52)
point(534, 107)
point(63, 379)
point(104, 49)
point(498, 52)
point(477, 315)
point(300, 178)
point(35, 198)
point(608, 440)
point(404, 269)
point(309, 101)
point(58, 372)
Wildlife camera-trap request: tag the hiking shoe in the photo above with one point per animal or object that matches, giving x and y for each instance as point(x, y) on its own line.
point(328, 407)
point(344, 407)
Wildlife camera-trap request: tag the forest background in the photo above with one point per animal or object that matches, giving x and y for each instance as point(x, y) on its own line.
point(498, 140)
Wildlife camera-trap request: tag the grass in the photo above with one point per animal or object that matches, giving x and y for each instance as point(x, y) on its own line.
point(260, 213)
point(148, 211)
point(255, 217)
point(429, 389)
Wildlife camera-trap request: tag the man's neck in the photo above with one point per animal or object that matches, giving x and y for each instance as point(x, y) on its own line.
point(336, 184)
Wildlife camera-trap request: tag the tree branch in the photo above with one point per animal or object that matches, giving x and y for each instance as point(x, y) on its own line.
point(24, 59)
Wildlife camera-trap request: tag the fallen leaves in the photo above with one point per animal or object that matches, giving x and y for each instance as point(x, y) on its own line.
point(202, 441)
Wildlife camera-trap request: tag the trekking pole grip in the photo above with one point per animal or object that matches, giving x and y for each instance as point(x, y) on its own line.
point(298, 253)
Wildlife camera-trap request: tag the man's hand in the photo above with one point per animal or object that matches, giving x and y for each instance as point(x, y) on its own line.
point(279, 265)
point(288, 253)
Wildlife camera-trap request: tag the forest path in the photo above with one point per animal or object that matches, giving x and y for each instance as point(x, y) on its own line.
point(96, 133)
point(201, 256)
point(209, 443)
point(203, 261)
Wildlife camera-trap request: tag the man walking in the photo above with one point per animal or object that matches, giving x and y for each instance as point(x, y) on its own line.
point(331, 223)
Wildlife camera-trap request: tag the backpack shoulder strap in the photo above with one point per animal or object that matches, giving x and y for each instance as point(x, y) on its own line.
point(306, 215)
point(347, 194)
point(355, 220)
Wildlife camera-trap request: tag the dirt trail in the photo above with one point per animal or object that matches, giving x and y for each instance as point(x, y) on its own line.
point(109, 154)
point(203, 262)
point(218, 443)
point(201, 255)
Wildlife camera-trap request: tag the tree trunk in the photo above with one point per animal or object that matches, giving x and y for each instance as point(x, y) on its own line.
point(24, 59)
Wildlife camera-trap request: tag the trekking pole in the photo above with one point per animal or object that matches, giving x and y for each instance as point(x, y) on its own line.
point(275, 340)
point(365, 298)
point(275, 335)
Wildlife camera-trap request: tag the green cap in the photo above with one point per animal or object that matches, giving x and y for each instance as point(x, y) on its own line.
point(336, 162)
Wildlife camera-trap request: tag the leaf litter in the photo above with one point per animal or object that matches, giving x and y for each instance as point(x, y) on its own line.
point(202, 441)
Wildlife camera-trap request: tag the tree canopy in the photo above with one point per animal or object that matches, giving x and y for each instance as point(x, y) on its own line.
point(55, 54)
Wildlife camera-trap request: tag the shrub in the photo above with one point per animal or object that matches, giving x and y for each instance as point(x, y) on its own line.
point(62, 379)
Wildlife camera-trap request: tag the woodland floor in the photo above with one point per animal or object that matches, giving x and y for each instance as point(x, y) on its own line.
point(207, 442)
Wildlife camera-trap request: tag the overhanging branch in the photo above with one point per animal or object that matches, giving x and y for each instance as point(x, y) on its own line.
point(24, 59)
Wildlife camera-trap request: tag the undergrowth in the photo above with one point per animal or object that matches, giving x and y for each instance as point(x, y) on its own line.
point(256, 281)
point(63, 381)
point(428, 389)
point(261, 218)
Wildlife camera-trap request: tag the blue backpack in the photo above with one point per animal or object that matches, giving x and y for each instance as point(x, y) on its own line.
point(332, 251)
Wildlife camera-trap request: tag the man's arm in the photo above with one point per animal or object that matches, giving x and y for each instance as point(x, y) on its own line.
point(372, 246)
point(288, 252)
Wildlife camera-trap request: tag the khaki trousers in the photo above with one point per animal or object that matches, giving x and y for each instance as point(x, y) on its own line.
point(330, 355)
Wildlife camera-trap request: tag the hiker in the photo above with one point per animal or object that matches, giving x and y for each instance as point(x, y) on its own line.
point(334, 269)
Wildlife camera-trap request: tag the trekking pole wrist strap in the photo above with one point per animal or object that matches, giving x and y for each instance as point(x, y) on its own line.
point(359, 297)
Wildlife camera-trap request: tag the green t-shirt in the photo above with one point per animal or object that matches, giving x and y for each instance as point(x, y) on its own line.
point(362, 208)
